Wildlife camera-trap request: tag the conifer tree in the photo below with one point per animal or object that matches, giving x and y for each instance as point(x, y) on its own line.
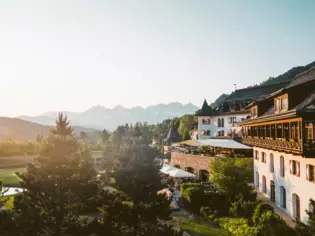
point(135, 208)
point(59, 185)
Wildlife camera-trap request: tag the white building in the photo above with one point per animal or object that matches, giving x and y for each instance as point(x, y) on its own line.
point(282, 132)
point(223, 120)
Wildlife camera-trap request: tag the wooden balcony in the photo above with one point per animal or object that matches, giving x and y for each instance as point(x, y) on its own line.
point(278, 144)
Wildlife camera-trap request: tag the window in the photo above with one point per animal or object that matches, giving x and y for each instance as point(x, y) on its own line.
point(256, 155)
point(208, 132)
point(264, 187)
point(220, 122)
point(272, 165)
point(221, 133)
point(310, 174)
point(309, 131)
point(281, 103)
point(284, 103)
point(283, 197)
point(282, 171)
point(263, 157)
point(254, 112)
point(257, 179)
point(232, 120)
point(206, 121)
point(295, 168)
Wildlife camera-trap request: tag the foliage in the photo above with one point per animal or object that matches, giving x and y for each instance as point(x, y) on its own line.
point(271, 224)
point(230, 176)
point(242, 208)
point(58, 186)
point(259, 210)
point(194, 196)
point(307, 229)
point(201, 228)
point(9, 176)
point(14, 148)
point(131, 168)
point(237, 226)
point(184, 186)
point(186, 123)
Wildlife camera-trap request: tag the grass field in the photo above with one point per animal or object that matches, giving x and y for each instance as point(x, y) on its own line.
point(8, 176)
point(200, 228)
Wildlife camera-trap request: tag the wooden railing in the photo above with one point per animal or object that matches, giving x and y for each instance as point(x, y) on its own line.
point(284, 145)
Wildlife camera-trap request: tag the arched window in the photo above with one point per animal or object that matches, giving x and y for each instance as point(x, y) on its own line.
point(283, 196)
point(271, 163)
point(257, 179)
point(264, 187)
point(272, 191)
point(263, 157)
point(296, 206)
point(282, 167)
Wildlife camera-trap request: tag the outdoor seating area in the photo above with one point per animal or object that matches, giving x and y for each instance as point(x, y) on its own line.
point(213, 147)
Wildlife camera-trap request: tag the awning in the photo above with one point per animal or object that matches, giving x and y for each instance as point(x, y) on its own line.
point(167, 168)
point(222, 143)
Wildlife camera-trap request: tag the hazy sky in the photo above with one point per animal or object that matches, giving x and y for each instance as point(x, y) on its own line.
point(71, 55)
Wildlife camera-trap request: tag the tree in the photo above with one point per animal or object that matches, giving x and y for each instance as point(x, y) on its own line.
point(58, 186)
point(307, 229)
point(105, 136)
point(135, 208)
point(230, 175)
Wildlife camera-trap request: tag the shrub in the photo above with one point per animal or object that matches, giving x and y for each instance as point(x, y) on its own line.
point(194, 196)
point(270, 223)
point(209, 213)
point(259, 210)
point(237, 226)
point(243, 208)
point(184, 186)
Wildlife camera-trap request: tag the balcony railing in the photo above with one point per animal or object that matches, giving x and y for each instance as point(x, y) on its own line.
point(292, 146)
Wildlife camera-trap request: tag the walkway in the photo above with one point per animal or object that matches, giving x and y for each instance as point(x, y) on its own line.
point(288, 219)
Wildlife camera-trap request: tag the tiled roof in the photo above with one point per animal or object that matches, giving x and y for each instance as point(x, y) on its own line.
point(302, 78)
point(308, 105)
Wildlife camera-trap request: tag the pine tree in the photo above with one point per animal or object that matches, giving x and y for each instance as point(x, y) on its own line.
point(135, 208)
point(58, 185)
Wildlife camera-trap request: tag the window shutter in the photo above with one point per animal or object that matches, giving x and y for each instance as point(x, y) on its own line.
point(307, 171)
point(298, 169)
point(291, 167)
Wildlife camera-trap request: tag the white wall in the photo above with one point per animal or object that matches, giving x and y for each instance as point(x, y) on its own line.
point(213, 126)
point(293, 184)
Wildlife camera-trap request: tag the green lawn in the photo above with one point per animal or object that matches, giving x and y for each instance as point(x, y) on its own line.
point(200, 228)
point(8, 176)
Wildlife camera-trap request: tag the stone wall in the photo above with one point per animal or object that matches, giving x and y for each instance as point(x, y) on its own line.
point(194, 161)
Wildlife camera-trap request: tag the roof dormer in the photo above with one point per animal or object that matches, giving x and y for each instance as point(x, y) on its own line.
point(281, 103)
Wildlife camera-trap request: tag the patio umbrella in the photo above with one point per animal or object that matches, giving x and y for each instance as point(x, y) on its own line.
point(181, 174)
point(167, 168)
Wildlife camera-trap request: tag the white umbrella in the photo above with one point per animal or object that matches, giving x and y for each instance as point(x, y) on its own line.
point(167, 168)
point(181, 174)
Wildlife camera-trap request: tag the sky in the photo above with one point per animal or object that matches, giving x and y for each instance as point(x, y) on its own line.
point(70, 55)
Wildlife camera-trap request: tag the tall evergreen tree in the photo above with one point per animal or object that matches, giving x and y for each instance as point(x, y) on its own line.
point(58, 186)
point(135, 207)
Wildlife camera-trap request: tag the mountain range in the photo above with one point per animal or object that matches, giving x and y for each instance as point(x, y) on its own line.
point(99, 117)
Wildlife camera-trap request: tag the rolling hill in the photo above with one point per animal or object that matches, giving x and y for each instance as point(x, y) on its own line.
point(18, 129)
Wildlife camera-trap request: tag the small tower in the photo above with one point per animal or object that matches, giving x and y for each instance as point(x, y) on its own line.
point(172, 136)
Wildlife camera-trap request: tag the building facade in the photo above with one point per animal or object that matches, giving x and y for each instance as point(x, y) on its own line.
point(281, 130)
point(223, 120)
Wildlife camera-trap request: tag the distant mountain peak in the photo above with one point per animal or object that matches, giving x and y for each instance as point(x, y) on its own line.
point(102, 117)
